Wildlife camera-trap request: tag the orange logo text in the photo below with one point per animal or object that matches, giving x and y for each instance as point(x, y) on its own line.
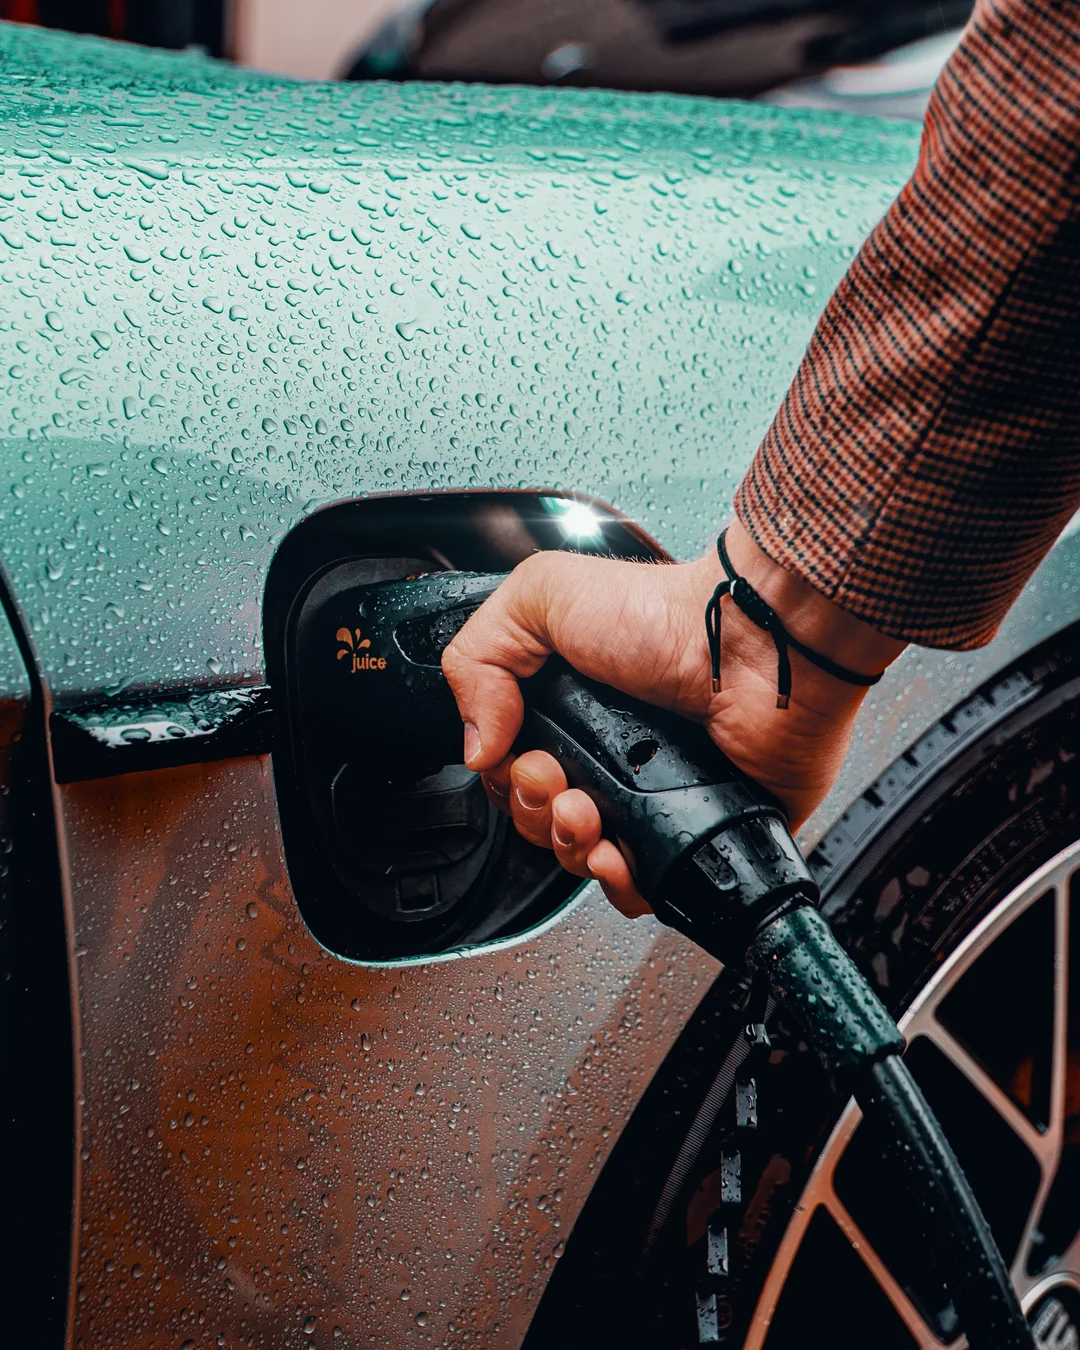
point(352, 648)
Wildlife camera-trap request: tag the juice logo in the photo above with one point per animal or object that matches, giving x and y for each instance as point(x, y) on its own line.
point(352, 647)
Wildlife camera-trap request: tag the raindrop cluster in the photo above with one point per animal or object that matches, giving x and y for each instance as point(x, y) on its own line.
point(229, 299)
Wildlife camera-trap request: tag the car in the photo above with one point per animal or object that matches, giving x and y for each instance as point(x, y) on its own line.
point(302, 1049)
point(682, 46)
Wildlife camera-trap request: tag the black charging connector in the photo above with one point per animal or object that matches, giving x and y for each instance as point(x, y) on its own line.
point(713, 856)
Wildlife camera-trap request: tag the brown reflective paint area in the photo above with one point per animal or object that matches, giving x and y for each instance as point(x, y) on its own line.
point(281, 1148)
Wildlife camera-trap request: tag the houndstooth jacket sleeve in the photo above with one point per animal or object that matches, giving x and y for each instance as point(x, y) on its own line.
point(927, 453)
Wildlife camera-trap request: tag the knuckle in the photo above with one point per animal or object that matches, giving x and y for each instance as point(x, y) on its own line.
point(535, 765)
point(535, 565)
point(455, 662)
point(530, 578)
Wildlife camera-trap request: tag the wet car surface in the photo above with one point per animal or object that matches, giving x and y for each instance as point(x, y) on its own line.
point(232, 300)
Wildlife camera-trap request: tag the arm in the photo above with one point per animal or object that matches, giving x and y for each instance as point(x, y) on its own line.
point(924, 460)
point(928, 451)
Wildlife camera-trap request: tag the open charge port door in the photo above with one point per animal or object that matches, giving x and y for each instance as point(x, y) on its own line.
point(390, 860)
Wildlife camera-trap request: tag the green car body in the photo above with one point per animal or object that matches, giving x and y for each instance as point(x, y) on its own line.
point(240, 298)
point(229, 300)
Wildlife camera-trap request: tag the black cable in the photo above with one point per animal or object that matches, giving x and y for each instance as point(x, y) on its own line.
point(909, 1142)
point(827, 998)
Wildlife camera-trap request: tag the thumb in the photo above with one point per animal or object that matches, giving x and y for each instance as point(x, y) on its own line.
point(504, 641)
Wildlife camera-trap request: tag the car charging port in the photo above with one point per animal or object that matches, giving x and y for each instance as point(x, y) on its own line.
point(394, 851)
point(417, 844)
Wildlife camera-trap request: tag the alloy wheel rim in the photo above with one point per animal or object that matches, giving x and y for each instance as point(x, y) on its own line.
point(1046, 1145)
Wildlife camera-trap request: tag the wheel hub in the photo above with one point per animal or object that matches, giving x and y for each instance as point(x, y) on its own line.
point(1053, 1309)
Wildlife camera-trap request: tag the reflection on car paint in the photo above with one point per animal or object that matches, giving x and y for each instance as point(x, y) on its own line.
point(270, 1135)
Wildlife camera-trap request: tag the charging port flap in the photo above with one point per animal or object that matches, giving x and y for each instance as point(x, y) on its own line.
point(393, 849)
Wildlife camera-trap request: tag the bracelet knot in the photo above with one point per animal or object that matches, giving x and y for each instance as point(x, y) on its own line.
point(762, 615)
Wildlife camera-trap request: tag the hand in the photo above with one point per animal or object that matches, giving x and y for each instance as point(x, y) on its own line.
point(641, 628)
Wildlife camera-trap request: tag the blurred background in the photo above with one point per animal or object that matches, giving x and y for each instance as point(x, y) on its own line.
point(868, 56)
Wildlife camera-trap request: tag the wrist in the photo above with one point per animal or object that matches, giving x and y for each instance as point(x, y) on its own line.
point(807, 615)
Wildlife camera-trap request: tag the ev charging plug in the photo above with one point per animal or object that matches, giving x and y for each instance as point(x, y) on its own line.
point(713, 857)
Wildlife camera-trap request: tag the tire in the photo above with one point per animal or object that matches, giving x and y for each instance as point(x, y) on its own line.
point(923, 864)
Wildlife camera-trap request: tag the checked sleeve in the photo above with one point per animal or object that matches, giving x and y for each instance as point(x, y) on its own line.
point(927, 453)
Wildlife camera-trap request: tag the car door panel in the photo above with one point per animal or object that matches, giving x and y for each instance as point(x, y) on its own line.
point(591, 293)
point(274, 1138)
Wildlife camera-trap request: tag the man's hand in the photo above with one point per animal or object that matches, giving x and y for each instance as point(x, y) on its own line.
point(641, 628)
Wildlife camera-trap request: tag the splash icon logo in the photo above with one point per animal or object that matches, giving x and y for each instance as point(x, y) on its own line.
point(352, 647)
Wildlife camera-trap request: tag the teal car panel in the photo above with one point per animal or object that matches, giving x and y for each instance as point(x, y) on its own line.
point(178, 389)
point(237, 298)
point(231, 300)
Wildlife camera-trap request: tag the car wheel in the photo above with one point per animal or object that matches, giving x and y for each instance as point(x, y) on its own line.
point(991, 1039)
point(744, 1211)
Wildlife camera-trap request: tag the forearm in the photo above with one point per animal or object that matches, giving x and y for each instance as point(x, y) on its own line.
point(928, 452)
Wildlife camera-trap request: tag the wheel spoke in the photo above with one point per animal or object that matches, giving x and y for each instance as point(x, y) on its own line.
point(1059, 1066)
point(1046, 1146)
point(1055, 1224)
point(1059, 1079)
point(818, 1187)
point(1035, 1140)
point(905, 1309)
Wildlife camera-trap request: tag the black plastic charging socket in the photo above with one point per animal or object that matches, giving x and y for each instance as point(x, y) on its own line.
point(391, 853)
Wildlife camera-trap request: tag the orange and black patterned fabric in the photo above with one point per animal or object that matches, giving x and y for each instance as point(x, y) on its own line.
point(927, 453)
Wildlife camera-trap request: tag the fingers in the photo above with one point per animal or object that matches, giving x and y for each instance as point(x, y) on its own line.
point(575, 834)
point(504, 641)
point(536, 779)
point(612, 871)
point(491, 708)
point(497, 784)
point(532, 789)
point(575, 830)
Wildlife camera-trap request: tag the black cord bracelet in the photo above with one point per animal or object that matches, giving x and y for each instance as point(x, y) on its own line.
point(767, 619)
